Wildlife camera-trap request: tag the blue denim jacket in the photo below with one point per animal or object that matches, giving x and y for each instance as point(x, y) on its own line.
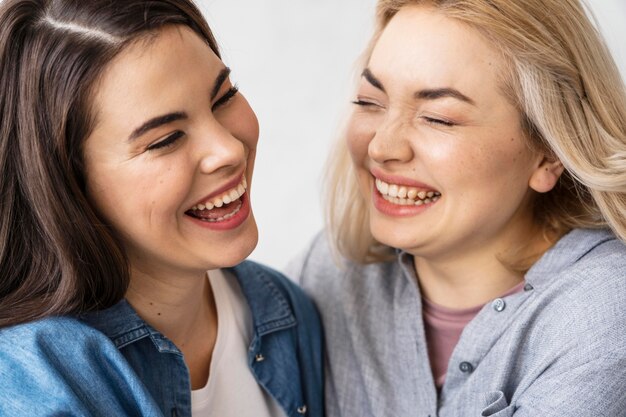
point(112, 363)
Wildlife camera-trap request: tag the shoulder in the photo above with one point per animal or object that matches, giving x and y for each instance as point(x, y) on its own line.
point(573, 329)
point(318, 265)
point(332, 279)
point(599, 286)
point(317, 256)
point(51, 346)
point(74, 366)
point(607, 258)
point(48, 337)
point(586, 298)
point(598, 276)
point(51, 343)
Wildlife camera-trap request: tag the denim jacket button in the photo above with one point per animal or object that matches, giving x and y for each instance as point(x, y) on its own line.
point(499, 305)
point(259, 358)
point(302, 410)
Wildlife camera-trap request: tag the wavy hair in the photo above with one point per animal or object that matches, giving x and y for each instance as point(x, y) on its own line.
point(57, 256)
point(561, 77)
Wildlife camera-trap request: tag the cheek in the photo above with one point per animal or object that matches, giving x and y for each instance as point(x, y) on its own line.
point(511, 163)
point(359, 134)
point(128, 196)
point(242, 123)
point(492, 178)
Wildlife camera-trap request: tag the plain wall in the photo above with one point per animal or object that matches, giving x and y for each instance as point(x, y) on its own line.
point(294, 62)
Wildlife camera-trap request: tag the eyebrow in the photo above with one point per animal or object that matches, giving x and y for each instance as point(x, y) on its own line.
point(437, 93)
point(427, 94)
point(156, 122)
point(367, 74)
point(172, 117)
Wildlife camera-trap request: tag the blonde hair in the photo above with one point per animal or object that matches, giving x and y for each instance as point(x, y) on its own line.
point(562, 78)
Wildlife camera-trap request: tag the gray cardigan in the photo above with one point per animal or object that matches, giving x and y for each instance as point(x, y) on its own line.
point(557, 349)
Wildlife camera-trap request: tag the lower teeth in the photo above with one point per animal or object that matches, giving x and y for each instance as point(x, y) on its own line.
point(408, 202)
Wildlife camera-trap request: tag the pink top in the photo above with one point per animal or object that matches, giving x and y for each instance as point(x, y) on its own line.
point(443, 328)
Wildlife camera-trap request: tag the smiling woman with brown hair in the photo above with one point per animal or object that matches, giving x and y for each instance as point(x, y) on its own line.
point(126, 159)
point(477, 203)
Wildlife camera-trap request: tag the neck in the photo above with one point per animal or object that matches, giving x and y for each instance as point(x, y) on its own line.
point(478, 275)
point(183, 310)
point(466, 284)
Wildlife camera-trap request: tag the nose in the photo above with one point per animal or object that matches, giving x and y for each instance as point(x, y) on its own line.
point(218, 149)
point(391, 143)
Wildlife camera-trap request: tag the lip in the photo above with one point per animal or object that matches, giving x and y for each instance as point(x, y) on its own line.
point(395, 210)
point(227, 186)
point(231, 223)
point(398, 180)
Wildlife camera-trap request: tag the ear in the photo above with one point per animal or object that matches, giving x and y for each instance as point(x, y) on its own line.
point(546, 175)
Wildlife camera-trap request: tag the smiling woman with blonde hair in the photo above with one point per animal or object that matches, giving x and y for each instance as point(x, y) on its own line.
point(477, 207)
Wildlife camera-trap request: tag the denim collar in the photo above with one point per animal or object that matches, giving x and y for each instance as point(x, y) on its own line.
point(271, 311)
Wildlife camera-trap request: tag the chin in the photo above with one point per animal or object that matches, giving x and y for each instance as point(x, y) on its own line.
point(396, 237)
point(241, 247)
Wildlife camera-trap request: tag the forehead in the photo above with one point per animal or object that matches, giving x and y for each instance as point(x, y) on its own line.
point(422, 44)
point(153, 75)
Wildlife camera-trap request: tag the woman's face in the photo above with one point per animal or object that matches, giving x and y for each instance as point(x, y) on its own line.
point(439, 150)
point(170, 161)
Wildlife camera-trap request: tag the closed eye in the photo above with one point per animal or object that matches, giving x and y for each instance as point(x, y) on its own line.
point(168, 141)
point(363, 103)
point(226, 97)
point(441, 122)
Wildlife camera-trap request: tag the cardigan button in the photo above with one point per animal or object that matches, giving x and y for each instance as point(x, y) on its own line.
point(466, 367)
point(528, 287)
point(302, 410)
point(498, 304)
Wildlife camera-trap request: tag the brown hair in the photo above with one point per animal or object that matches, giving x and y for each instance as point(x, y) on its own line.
point(571, 96)
point(57, 256)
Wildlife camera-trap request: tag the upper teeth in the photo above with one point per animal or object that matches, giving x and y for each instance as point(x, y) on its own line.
point(401, 194)
point(226, 198)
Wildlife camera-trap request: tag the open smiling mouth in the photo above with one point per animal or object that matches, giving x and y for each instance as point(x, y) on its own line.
point(406, 196)
point(220, 208)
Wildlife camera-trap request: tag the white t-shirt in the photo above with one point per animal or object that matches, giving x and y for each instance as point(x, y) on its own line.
point(232, 389)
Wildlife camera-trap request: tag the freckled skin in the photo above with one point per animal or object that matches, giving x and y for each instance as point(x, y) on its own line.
point(482, 165)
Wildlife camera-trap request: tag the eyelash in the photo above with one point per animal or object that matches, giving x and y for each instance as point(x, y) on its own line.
point(363, 103)
point(232, 92)
point(171, 139)
point(168, 141)
point(440, 122)
point(429, 120)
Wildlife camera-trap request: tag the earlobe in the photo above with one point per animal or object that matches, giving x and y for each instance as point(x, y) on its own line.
point(546, 175)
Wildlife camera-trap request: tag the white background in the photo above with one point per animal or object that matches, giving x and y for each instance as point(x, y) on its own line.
point(294, 61)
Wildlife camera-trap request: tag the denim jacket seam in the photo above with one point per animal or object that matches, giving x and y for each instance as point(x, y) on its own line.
point(130, 336)
point(282, 314)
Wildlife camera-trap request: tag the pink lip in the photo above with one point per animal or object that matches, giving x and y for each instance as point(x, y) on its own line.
point(228, 186)
point(394, 179)
point(230, 223)
point(396, 210)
